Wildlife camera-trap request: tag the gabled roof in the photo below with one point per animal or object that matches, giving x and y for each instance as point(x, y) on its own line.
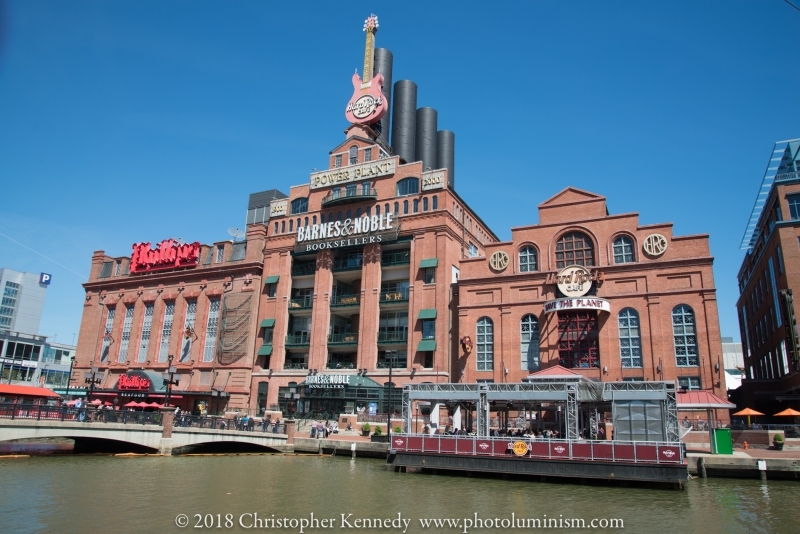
point(349, 141)
point(702, 400)
point(570, 195)
point(557, 371)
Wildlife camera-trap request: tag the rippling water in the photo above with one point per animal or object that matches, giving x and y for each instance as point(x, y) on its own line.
point(145, 494)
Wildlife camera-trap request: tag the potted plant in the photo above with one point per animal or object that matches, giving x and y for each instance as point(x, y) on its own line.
point(365, 429)
point(398, 430)
point(378, 436)
point(777, 441)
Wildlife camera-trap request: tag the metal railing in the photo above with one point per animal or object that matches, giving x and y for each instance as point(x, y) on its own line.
point(345, 300)
point(651, 452)
point(83, 415)
point(389, 297)
point(303, 338)
point(264, 426)
point(340, 365)
point(349, 338)
point(295, 365)
point(337, 196)
point(303, 269)
point(347, 264)
point(394, 364)
point(392, 337)
point(301, 303)
point(400, 257)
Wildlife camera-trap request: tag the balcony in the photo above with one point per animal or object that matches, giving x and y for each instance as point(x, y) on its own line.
point(337, 197)
point(349, 338)
point(304, 269)
point(398, 257)
point(340, 364)
point(298, 339)
point(302, 303)
point(388, 337)
point(341, 301)
point(394, 297)
point(295, 365)
point(347, 264)
point(394, 363)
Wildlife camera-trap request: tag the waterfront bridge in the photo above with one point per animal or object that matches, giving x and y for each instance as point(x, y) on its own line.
point(158, 435)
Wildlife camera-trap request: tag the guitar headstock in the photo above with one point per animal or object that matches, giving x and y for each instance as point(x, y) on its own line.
point(371, 24)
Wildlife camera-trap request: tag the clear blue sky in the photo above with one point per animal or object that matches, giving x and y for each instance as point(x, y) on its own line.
point(140, 120)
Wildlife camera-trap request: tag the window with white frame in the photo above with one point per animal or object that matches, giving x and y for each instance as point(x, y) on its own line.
point(484, 346)
point(211, 330)
point(147, 324)
point(367, 154)
point(337, 160)
point(683, 330)
point(220, 254)
point(689, 382)
point(125, 340)
point(188, 328)
point(529, 342)
point(166, 330)
point(630, 342)
point(353, 155)
point(623, 249)
point(107, 334)
point(527, 259)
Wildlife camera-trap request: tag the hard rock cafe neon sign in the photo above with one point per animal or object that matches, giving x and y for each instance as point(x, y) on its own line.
point(367, 105)
point(169, 254)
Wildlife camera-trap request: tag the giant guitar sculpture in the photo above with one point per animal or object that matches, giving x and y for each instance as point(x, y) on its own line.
point(367, 105)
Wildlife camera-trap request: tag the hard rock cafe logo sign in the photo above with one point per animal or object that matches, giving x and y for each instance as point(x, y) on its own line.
point(367, 105)
point(520, 448)
point(669, 453)
point(364, 106)
point(169, 254)
point(574, 280)
point(133, 382)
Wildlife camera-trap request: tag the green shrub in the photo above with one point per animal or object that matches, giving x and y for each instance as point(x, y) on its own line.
point(778, 438)
point(366, 427)
point(398, 430)
point(378, 431)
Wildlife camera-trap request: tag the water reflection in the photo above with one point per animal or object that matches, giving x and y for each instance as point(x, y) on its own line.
point(88, 494)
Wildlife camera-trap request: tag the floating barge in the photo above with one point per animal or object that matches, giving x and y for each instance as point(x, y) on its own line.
point(646, 445)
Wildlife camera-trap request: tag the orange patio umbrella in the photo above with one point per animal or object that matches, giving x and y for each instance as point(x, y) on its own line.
point(788, 412)
point(748, 412)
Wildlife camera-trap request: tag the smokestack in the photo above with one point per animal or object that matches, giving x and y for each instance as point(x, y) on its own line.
point(446, 155)
point(383, 64)
point(404, 120)
point(426, 137)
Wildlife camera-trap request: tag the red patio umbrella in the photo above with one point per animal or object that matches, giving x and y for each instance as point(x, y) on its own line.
point(133, 404)
point(96, 402)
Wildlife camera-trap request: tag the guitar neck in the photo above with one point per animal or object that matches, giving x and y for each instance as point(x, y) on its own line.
point(369, 54)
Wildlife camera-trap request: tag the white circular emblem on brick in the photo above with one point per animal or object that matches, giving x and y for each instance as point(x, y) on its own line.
point(655, 245)
point(499, 261)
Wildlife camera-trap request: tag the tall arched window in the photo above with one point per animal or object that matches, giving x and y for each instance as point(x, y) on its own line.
point(685, 339)
point(349, 214)
point(314, 219)
point(435, 202)
point(330, 217)
point(306, 222)
point(527, 260)
point(276, 228)
point(358, 212)
point(425, 204)
point(630, 341)
point(386, 208)
point(529, 342)
point(299, 205)
point(623, 249)
point(407, 186)
point(353, 155)
point(339, 216)
point(484, 344)
point(377, 209)
point(574, 248)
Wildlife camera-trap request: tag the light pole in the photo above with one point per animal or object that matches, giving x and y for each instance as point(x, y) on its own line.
point(169, 379)
point(69, 377)
point(91, 379)
point(391, 356)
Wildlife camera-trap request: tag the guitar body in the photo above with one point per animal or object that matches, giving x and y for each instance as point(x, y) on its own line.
point(367, 105)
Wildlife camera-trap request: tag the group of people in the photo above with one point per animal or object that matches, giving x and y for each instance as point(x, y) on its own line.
point(320, 430)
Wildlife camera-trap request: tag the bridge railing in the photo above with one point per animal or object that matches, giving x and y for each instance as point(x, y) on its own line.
point(193, 421)
point(83, 415)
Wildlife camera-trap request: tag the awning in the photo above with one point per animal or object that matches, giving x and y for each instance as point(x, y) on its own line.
point(428, 313)
point(701, 400)
point(430, 262)
point(271, 280)
point(426, 345)
point(267, 323)
point(10, 390)
point(265, 350)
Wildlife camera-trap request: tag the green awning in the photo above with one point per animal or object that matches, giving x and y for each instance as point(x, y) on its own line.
point(271, 280)
point(431, 262)
point(426, 345)
point(267, 323)
point(429, 313)
point(265, 350)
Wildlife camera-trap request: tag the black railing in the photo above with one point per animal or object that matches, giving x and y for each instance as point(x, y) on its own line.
point(398, 295)
point(399, 257)
point(302, 269)
point(345, 300)
point(347, 264)
point(349, 338)
point(84, 415)
point(341, 365)
point(392, 337)
point(233, 424)
point(302, 338)
point(394, 364)
point(295, 365)
point(339, 196)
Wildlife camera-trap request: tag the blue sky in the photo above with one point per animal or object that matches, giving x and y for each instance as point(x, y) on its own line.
point(136, 121)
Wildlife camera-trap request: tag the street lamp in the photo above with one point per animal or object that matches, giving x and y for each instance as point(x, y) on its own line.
point(391, 357)
point(90, 378)
point(169, 380)
point(69, 377)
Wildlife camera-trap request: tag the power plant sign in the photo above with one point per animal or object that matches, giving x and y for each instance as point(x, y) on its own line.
point(367, 105)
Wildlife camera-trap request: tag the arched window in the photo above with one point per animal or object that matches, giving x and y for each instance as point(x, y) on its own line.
point(299, 205)
point(358, 212)
point(377, 209)
point(283, 226)
point(416, 205)
point(396, 208)
point(276, 229)
point(290, 226)
point(623, 249)
point(529, 342)
point(425, 204)
point(330, 217)
point(484, 344)
point(685, 339)
point(339, 217)
point(405, 207)
point(306, 222)
point(407, 186)
point(435, 202)
point(353, 155)
point(630, 341)
point(298, 222)
point(527, 260)
point(314, 219)
point(349, 214)
point(574, 248)
point(369, 211)
point(386, 208)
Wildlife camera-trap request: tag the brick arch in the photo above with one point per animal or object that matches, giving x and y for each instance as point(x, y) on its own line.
point(519, 248)
point(551, 247)
point(610, 246)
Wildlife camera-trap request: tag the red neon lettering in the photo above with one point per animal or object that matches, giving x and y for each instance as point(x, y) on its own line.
point(168, 254)
point(133, 382)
